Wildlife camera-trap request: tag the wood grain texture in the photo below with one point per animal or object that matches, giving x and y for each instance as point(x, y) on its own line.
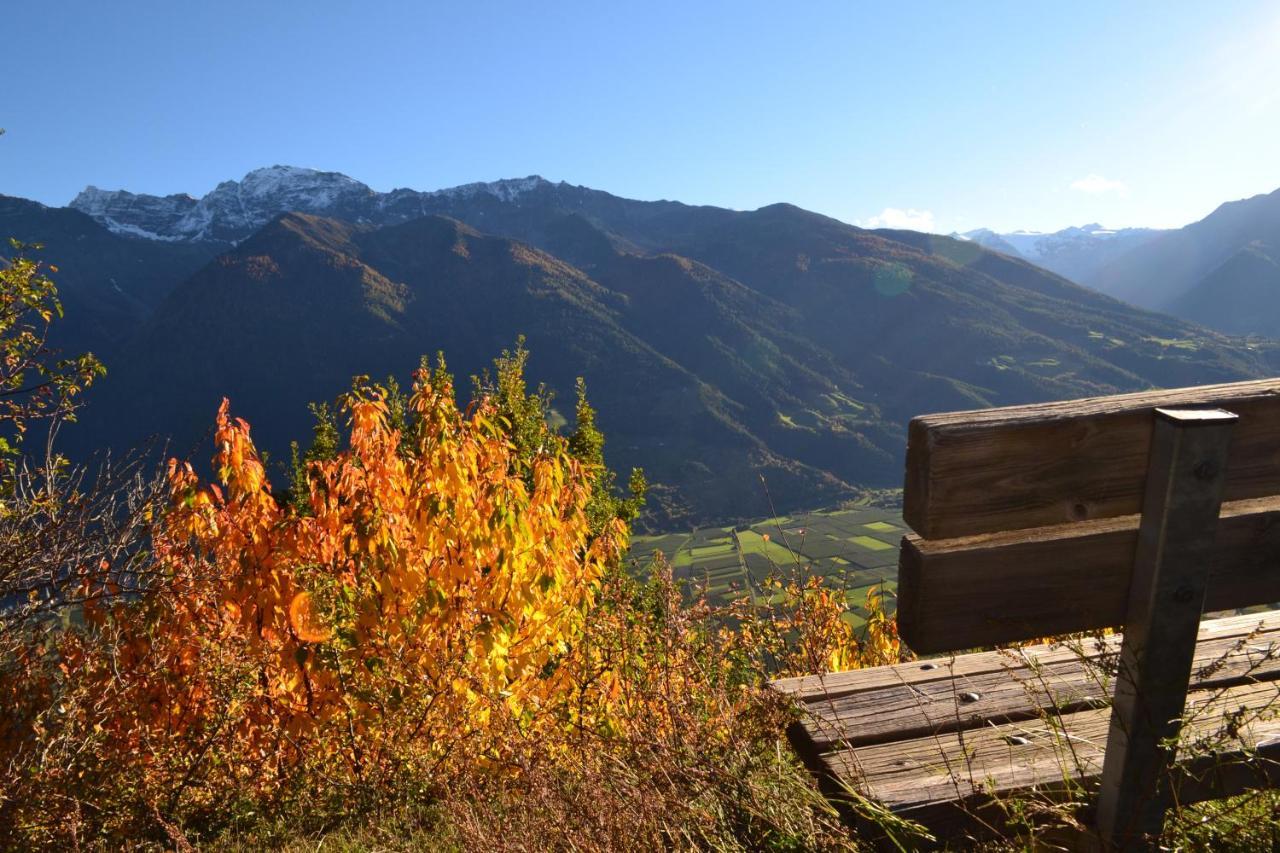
point(906, 734)
point(1176, 546)
point(999, 588)
point(921, 698)
point(934, 780)
point(1052, 463)
point(807, 688)
point(1018, 692)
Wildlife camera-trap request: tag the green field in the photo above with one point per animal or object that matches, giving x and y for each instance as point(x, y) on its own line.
point(852, 549)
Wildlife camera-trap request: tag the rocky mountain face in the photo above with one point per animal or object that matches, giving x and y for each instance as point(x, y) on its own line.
point(235, 209)
point(752, 362)
point(1077, 253)
point(149, 216)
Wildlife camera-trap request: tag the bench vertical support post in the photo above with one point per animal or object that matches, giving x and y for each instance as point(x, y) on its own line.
point(1185, 478)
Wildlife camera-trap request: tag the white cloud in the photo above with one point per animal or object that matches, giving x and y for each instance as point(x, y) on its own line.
point(1096, 184)
point(894, 217)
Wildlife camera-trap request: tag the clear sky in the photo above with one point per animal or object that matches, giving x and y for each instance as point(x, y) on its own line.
point(943, 115)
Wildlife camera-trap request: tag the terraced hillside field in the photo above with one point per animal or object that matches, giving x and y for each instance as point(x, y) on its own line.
point(853, 549)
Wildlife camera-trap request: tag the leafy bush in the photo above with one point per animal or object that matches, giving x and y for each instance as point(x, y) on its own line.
point(433, 616)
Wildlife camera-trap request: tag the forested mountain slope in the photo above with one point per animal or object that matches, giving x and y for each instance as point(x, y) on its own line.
point(720, 347)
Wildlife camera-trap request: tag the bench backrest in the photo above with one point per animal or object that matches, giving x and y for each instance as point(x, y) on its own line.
point(1026, 518)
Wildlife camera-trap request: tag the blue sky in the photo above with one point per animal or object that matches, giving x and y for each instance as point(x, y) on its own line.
point(941, 115)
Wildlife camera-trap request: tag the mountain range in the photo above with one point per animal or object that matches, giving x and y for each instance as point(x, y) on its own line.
point(1077, 253)
point(1222, 271)
point(753, 362)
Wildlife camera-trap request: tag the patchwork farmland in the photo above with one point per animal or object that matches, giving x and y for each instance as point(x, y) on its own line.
point(852, 549)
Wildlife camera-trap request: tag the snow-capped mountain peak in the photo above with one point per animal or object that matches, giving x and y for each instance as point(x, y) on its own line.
point(1075, 252)
point(234, 209)
point(123, 212)
point(505, 190)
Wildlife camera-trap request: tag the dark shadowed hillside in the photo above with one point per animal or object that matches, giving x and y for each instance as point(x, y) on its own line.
point(109, 283)
point(307, 303)
point(719, 346)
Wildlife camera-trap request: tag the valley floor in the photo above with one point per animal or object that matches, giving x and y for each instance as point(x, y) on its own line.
point(854, 550)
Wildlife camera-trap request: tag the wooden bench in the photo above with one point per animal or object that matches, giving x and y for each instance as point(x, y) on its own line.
point(1138, 511)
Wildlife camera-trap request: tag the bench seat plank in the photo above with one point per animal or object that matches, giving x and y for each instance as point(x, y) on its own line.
point(805, 688)
point(908, 737)
point(925, 779)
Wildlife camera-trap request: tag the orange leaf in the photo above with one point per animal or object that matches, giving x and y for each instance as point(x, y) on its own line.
point(305, 622)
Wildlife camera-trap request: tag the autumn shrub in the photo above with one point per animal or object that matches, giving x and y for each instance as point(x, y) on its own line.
point(426, 601)
point(428, 625)
point(433, 614)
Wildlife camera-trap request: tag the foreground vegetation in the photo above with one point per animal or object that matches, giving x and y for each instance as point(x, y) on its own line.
point(438, 624)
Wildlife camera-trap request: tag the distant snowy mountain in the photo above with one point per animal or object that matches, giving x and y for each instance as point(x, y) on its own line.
point(235, 209)
point(1077, 253)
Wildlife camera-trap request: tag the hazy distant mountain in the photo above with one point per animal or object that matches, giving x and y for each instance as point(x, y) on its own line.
point(1074, 253)
point(1220, 272)
point(1214, 271)
point(1241, 296)
point(721, 347)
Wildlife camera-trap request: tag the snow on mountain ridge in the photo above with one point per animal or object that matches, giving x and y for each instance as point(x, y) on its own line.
point(1037, 244)
point(234, 209)
point(1076, 252)
point(133, 215)
point(508, 189)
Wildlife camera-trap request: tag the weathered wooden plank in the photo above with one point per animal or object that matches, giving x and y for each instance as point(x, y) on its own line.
point(1026, 683)
point(806, 688)
point(1176, 540)
point(935, 780)
point(1006, 587)
point(1051, 463)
